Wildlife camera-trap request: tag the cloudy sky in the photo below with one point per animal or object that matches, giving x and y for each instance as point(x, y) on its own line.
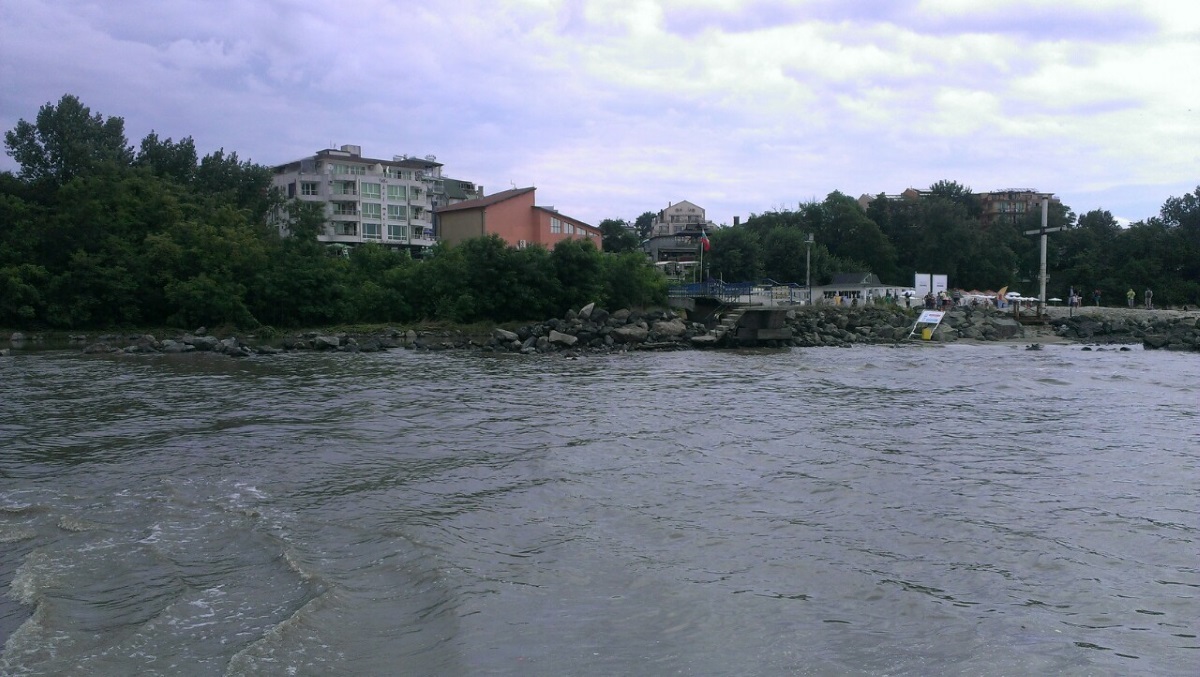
point(616, 107)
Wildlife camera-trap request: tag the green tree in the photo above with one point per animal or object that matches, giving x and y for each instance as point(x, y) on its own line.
point(784, 254)
point(618, 237)
point(176, 161)
point(630, 281)
point(66, 141)
point(643, 224)
point(735, 255)
point(578, 268)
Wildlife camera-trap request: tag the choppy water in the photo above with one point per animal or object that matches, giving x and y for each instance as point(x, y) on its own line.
point(876, 511)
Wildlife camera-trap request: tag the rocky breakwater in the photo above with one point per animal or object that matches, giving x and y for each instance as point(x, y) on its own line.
point(593, 329)
point(1174, 331)
point(200, 341)
point(832, 326)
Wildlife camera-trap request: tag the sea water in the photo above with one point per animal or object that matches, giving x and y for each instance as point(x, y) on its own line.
point(954, 509)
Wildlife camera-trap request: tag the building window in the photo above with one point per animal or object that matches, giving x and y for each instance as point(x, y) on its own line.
point(414, 192)
point(344, 209)
point(345, 188)
point(397, 212)
point(397, 232)
point(372, 210)
point(556, 226)
point(345, 228)
point(395, 192)
point(371, 231)
point(418, 213)
point(347, 169)
point(371, 190)
point(309, 188)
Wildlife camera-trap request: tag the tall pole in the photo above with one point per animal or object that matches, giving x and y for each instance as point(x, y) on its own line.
point(1042, 270)
point(1042, 232)
point(808, 267)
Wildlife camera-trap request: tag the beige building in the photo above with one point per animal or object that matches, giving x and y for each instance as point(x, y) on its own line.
point(679, 217)
point(1010, 205)
point(390, 202)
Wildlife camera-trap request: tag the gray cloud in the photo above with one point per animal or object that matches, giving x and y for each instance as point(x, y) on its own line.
point(616, 108)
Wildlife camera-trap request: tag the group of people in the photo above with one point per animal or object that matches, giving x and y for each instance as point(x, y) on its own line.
point(1131, 295)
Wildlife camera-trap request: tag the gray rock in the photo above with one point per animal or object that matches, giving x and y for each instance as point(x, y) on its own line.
point(562, 339)
point(674, 327)
point(327, 342)
point(630, 333)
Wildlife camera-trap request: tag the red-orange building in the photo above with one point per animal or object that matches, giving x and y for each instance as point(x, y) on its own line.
point(513, 216)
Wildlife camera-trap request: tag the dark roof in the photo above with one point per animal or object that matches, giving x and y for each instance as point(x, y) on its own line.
point(456, 189)
point(869, 279)
point(486, 201)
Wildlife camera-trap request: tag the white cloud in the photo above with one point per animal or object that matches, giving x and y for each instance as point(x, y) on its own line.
point(614, 107)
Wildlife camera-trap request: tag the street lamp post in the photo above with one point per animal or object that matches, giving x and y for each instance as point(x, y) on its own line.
point(808, 267)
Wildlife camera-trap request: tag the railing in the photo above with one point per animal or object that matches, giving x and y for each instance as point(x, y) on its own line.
point(768, 293)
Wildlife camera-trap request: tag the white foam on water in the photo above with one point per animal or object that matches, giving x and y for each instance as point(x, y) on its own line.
point(31, 644)
point(156, 531)
point(75, 524)
point(15, 535)
point(292, 641)
point(37, 572)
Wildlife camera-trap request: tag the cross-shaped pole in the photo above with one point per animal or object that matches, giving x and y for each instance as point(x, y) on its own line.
point(1042, 271)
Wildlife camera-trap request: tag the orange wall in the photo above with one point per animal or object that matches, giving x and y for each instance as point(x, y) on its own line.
point(549, 239)
point(511, 219)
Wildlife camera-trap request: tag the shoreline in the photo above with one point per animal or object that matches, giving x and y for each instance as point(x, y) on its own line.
point(593, 330)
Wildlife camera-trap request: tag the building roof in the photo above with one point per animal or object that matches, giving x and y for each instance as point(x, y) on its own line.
point(868, 279)
point(486, 201)
point(350, 156)
point(456, 189)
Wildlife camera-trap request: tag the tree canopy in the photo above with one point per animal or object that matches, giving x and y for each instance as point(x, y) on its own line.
point(94, 234)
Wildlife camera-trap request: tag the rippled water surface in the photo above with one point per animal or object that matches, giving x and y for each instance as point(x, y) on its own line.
point(876, 511)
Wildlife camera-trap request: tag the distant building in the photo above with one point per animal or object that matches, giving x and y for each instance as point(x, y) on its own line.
point(675, 234)
point(390, 202)
point(856, 289)
point(1010, 205)
point(513, 216)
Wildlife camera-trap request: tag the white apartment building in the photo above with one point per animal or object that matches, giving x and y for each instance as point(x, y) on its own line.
point(390, 202)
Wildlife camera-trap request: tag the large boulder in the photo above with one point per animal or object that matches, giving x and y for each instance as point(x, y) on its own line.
point(327, 343)
point(670, 328)
point(630, 333)
point(1006, 328)
point(503, 335)
point(559, 338)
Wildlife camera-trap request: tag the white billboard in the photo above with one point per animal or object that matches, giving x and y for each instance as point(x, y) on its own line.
point(927, 282)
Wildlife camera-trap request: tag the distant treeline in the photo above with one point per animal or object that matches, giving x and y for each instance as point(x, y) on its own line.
point(96, 234)
point(941, 232)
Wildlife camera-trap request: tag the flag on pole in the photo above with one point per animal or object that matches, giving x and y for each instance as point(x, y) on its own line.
point(704, 241)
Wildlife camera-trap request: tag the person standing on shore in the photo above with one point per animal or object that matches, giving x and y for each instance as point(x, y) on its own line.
point(1096, 297)
point(1149, 300)
point(1129, 296)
